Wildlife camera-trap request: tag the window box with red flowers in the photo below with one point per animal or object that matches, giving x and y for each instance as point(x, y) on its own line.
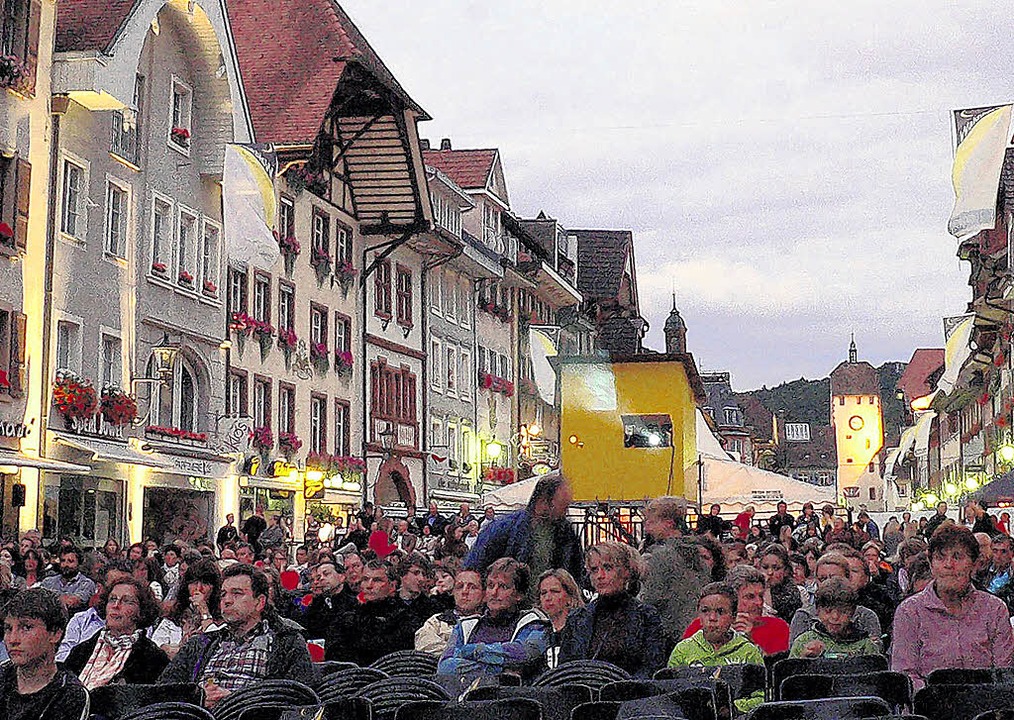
point(488, 381)
point(321, 263)
point(74, 397)
point(265, 334)
point(303, 178)
point(289, 443)
point(503, 314)
point(345, 273)
point(210, 289)
point(343, 362)
point(287, 341)
point(160, 269)
point(289, 247)
point(186, 279)
point(175, 433)
point(180, 137)
point(13, 74)
point(262, 439)
point(500, 476)
point(117, 407)
point(320, 357)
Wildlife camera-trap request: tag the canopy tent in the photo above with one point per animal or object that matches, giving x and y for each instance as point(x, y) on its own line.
point(510, 497)
point(1000, 490)
point(734, 485)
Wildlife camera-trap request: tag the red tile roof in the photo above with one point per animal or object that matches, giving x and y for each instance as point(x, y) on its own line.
point(914, 381)
point(90, 24)
point(470, 169)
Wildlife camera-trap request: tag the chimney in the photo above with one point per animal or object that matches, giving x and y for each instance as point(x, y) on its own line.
point(445, 144)
point(424, 143)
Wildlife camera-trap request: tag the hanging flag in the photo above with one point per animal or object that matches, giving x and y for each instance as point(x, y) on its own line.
point(541, 347)
point(982, 135)
point(249, 205)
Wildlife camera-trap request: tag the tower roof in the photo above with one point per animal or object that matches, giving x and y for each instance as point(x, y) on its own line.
point(675, 320)
point(858, 378)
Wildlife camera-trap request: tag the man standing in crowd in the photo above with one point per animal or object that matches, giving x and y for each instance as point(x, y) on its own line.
point(934, 522)
point(227, 533)
point(1000, 582)
point(252, 529)
point(712, 523)
point(32, 687)
point(255, 644)
point(779, 520)
point(379, 625)
point(869, 527)
point(539, 535)
point(331, 598)
point(74, 587)
point(675, 573)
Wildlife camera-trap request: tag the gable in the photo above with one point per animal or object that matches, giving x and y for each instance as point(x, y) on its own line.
point(495, 182)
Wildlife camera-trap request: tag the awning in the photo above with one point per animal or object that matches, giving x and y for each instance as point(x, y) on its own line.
point(923, 426)
point(956, 352)
point(11, 459)
point(999, 490)
point(111, 451)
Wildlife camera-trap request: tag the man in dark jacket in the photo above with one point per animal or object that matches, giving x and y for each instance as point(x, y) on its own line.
point(379, 625)
point(713, 523)
point(255, 645)
point(538, 536)
point(331, 598)
point(934, 522)
point(779, 520)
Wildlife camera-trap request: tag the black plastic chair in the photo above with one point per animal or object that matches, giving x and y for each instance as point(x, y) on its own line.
point(169, 711)
point(591, 673)
point(962, 702)
point(346, 683)
point(326, 667)
point(557, 702)
point(407, 663)
point(350, 708)
point(824, 666)
point(274, 711)
point(265, 693)
point(390, 694)
point(596, 710)
point(516, 708)
point(1005, 714)
point(892, 687)
point(114, 701)
point(743, 680)
point(962, 676)
point(851, 708)
point(711, 694)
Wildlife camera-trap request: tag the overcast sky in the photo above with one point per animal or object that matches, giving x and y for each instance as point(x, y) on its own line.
point(785, 166)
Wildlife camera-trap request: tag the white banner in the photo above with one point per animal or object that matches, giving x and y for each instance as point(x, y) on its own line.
point(982, 135)
point(249, 204)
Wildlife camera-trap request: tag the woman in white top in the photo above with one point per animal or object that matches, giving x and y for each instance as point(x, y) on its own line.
point(196, 609)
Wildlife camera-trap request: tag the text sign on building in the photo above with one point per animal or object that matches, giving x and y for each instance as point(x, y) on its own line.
point(797, 432)
point(760, 496)
point(14, 430)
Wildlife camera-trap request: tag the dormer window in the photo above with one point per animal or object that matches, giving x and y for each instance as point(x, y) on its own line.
point(180, 126)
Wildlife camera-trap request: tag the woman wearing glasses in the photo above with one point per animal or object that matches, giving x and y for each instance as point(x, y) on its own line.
point(120, 652)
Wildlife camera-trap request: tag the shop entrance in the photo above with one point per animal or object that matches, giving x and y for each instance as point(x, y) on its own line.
point(88, 510)
point(274, 502)
point(173, 514)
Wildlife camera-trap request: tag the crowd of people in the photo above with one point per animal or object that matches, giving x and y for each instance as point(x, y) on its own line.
point(512, 594)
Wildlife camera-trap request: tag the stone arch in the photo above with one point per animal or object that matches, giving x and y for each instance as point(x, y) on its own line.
point(394, 484)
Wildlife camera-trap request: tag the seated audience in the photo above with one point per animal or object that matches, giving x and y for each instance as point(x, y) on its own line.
point(834, 635)
point(435, 633)
point(832, 565)
point(558, 595)
point(73, 586)
point(197, 608)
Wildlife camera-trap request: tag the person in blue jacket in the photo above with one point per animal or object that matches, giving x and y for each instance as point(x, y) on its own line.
point(539, 536)
point(507, 637)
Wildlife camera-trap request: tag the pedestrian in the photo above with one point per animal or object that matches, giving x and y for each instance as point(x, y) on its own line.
point(781, 519)
point(713, 524)
point(934, 522)
point(253, 526)
point(227, 533)
point(274, 536)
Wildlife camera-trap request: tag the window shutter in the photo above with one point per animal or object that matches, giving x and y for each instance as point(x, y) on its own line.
point(17, 359)
point(22, 201)
point(32, 44)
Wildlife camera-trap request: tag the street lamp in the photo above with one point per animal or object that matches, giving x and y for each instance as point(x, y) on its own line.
point(165, 357)
point(387, 439)
point(494, 449)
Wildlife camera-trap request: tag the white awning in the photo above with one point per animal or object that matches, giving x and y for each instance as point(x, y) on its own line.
point(956, 353)
point(11, 459)
point(922, 431)
point(111, 451)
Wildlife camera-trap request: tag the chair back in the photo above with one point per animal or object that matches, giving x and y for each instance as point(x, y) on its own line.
point(659, 707)
point(596, 710)
point(892, 687)
point(592, 673)
point(852, 708)
point(963, 702)
point(516, 708)
point(743, 680)
point(326, 667)
point(346, 683)
point(706, 695)
point(557, 703)
point(169, 711)
point(824, 666)
point(115, 701)
point(349, 708)
point(390, 694)
point(962, 676)
point(407, 663)
point(265, 693)
point(273, 711)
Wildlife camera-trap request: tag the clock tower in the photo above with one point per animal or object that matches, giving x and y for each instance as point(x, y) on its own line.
point(857, 417)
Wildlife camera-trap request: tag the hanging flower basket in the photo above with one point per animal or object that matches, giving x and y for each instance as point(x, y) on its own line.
point(321, 263)
point(262, 439)
point(320, 357)
point(176, 433)
point(345, 274)
point(159, 268)
point(186, 278)
point(242, 326)
point(117, 407)
point(180, 136)
point(74, 397)
point(13, 74)
point(210, 288)
point(6, 233)
point(502, 476)
point(265, 335)
point(343, 362)
point(289, 247)
point(287, 340)
point(289, 443)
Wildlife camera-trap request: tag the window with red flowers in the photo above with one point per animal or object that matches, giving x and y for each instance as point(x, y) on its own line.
point(382, 289)
point(404, 289)
point(20, 26)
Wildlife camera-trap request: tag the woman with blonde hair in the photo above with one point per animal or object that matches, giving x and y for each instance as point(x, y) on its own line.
point(558, 595)
point(616, 626)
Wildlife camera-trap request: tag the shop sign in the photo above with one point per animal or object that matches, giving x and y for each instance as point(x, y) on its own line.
point(313, 488)
point(14, 430)
point(201, 484)
point(765, 495)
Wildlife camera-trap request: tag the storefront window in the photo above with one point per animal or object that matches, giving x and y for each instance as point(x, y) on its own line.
point(274, 502)
point(87, 510)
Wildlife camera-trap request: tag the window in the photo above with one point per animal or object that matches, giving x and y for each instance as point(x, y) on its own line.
point(112, 362)
point(262, 297)
point(436, 439)
point(186, 232)
point(116, 220)
point(382, 289)
point(465, 375)
point(126, 126)
point(447, 280)
point(318, 324)
point(176, 405)
point(452, 445)
point(209, 257)
point(262, 402)
point(435, 293)
point(318, 424)
point(491, 228)
point(237, 393)
point(68, 346)
point(404, 297)
point(286, 408)
point(72, 219)
point(182, 106)
point(343, 244)
point(451, 368)
point(12, 352)
point(465, 302)
point(321, 230)
point(436, 361)
point(237, 290)
point(342, 428)
point(873, 493)
point(342, 333)
point(286, 306)
point(19, 35)
point(161, 236)
point(286, 217)
point(393, 391)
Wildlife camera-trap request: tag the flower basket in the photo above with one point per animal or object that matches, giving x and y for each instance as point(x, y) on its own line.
point(6, 233)
point(265, 335)
point(345, 274)
point(320, 357)
point(321, 263)
point(176, 433)
point(74, 397)
point(117, 407)
point(289, 443)
point(210, 288)
point(242, 326)
point(343, 362)
point(180, 136)
point(262, 439)
point(289, 247)
point(303, 178)
point(13, 74)
point(186, 278)
point(159, 268)
point(287, 340)
point(502, 476)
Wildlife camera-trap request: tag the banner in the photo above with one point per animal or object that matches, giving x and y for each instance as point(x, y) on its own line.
point(249, 205)
point(981, 137)
point(541, 347)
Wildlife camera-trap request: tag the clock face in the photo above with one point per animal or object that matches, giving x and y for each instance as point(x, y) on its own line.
point(856, 422)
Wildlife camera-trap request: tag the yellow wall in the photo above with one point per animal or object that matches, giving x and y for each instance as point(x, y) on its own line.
point(858, 445)
point(594, 397)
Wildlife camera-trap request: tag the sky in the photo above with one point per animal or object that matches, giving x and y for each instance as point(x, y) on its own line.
point(784, 166)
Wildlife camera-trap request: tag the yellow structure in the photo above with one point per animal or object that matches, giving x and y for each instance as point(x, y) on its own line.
point(628, 426)
point(857, 417)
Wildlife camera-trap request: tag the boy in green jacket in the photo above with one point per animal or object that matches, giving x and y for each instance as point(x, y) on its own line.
point(716, 643)
point(833, 635)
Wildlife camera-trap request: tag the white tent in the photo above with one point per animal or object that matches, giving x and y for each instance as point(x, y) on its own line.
point(510, 497)
point(734, 485)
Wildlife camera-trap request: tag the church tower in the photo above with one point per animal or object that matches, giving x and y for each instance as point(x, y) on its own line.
point(675, 331)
